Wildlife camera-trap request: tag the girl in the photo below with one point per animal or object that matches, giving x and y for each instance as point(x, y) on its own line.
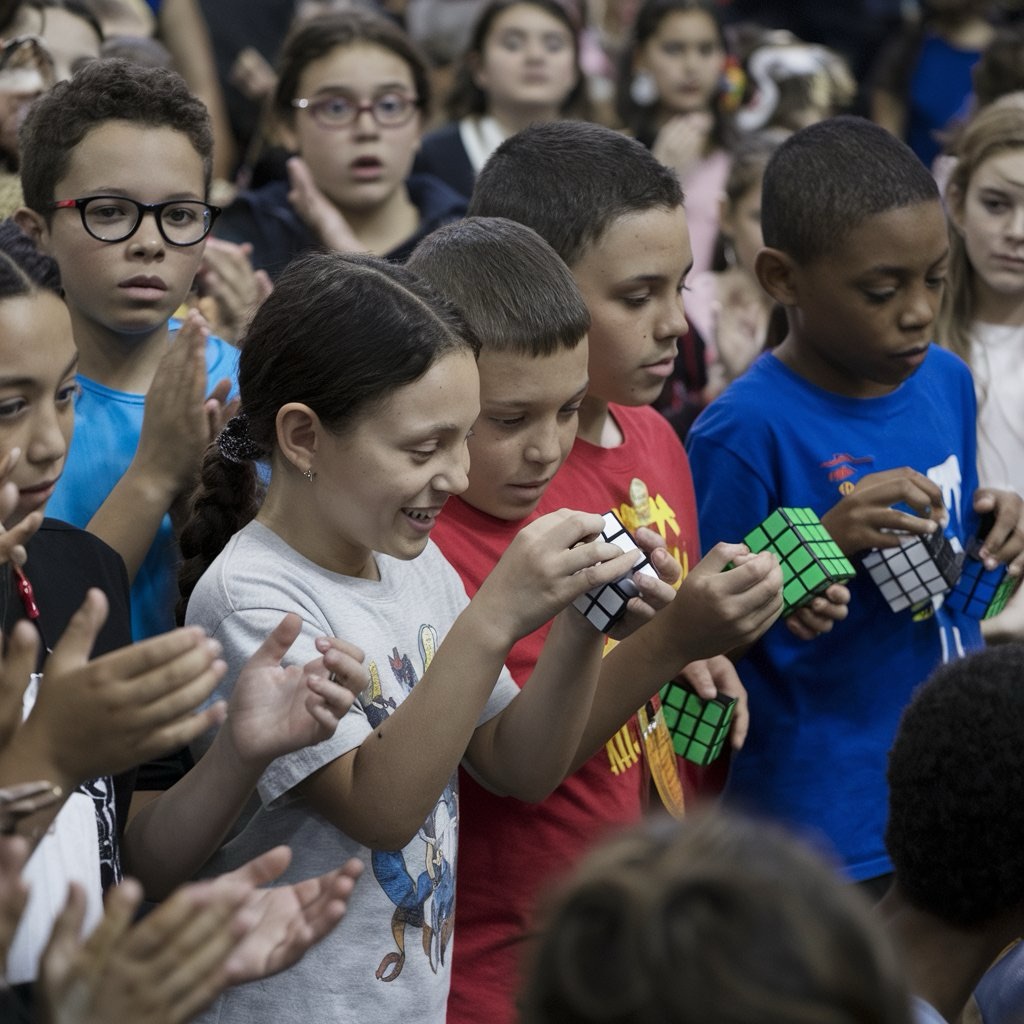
point(363, 401)
point(727, 307)
point(352, 95)
point(982, 316)
point(521, 66)
point(669, 96)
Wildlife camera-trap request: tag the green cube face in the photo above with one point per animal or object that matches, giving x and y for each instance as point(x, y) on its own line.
point(811, 560)
point(698, 727)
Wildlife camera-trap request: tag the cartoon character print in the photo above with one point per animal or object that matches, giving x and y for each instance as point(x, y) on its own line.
point(426, 899)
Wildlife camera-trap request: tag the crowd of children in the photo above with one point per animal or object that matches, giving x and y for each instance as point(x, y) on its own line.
point(314, 623)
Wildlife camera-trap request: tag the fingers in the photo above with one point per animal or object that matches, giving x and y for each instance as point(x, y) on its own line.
point(271, 652)
point(1004, 542)
point(13, 541)
point(653, 545)
point(698, 675)
point(720, 556)
point(76, 642)
point(265, 868)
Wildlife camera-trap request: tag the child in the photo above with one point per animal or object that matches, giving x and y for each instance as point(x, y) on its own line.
point(352, 95)
point(957, 903)
point(115, 170)
point(982, 314)
point(857, 417)
point(670, 86)
point(521, 66)
point(614, 215)
point(363, 401)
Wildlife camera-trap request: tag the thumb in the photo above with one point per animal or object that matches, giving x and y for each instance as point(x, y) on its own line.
point(76, 643)
point(720, 556)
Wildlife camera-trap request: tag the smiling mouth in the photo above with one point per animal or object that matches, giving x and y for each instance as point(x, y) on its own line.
point(422, 515)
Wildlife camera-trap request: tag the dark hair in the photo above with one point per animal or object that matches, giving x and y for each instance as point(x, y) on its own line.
point(510, 285)
point(467, 98)
point(642, 121)
point(25, 268)
point(314, 38)
point(956, 790)
point(339, 333)
point(103, 91)
point(712, 919)
point(1000, 69)
point(570, 181)
point(828, 178)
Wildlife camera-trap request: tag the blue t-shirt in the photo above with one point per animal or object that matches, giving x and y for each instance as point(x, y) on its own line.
point(107, 428)
point(824, 712)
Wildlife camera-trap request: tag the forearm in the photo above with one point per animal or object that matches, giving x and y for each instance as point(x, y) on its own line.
point(171, 837)
point(411, 755)
point(128, 520)
point(529, 748)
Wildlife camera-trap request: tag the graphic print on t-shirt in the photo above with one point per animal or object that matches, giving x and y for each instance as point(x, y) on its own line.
point(420, 879)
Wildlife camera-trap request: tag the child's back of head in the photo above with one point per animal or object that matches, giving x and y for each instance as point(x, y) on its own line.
point(829, 178)
point(569, 181)
point(516, 294)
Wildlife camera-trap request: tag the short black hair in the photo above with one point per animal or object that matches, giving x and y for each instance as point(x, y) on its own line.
point(828, 178)
point(104, 91)
point(956, 790)
point(570, 181)
point(510, 285)
point(26, 268)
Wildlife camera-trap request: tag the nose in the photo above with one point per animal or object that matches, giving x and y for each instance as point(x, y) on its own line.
point(921, 309)
point(147, 239)
point(543, 446)
point(454, 477)
point(48, 442)
point(672, 320)
point(365, 124)
point(1015, 225)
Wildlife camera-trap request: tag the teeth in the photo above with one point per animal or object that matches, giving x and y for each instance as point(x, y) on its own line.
point(423, 517)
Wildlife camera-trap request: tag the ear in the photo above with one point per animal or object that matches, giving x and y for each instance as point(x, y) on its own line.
point(35, 226)
point(298, 429)
point(955, 208)
point(777, 274)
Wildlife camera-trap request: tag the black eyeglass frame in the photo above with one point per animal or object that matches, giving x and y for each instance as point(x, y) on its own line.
point(157, 209)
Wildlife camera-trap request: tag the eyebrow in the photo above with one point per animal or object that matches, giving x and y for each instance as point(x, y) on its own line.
point(1007, 183)
point(884, 270)
point(111, 190)
point(12, 382)
point(351, 90)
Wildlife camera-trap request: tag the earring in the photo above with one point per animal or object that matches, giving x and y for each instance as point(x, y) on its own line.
point(729, 253)
point(309, 474)
point(643, 90)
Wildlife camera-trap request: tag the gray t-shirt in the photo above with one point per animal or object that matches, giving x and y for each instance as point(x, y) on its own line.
point(389, 959)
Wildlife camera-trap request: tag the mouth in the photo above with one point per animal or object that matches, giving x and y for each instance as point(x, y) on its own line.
point(912, 356)
point(531, 487)
point(422, 520)
point(39, 494)
point(366, 168)
point(662, 367)
point(1017, 262)
point(144, 286)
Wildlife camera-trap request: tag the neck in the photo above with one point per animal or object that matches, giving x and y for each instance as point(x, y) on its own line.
point(597, 425)
point(122, 362)
point(383, 228)
point(943, 963)
point(992, 307)
point(514, 119)
point(967, 31)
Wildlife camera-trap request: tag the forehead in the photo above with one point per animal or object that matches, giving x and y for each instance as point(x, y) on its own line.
point(1001, 170)
point(653, 243)
point(695, 26)
point(448, 394)
point(35, 338)
point(526, 17)
point(907, 237)
point(516, 378)
point(141, 160)
point(354, 66)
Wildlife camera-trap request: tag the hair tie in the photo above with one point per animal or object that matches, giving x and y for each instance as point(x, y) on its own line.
point(235, 442)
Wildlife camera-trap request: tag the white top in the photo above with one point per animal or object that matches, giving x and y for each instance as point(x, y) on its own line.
point(997, 362)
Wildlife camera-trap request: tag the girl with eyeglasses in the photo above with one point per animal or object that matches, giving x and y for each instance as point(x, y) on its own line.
point(351, 95)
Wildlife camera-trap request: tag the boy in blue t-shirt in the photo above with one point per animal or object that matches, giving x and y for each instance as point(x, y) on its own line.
point(858, 417)
point(115, 171)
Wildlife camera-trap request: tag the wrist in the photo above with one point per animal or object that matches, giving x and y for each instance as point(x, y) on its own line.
point(151, 484)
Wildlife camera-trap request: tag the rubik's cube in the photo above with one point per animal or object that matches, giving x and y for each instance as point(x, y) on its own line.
point(922, 567)
point(604, 606)
point(981, 593)
point(698, 727)
point(811, 560)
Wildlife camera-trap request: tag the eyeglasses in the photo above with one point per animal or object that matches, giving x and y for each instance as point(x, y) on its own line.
point(389, 109)
point(116, 218)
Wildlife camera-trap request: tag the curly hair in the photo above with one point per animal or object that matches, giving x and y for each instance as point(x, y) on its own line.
point(104, 90)
point(956, 790)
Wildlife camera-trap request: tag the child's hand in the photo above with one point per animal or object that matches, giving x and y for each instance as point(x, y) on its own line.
point(655, 594)
point(105, 716)
point(550, 563)
point(820, 614)
point(715, 676)
point(227, 279)
point(274, 709)
point(865, 518)
point(682, 140)
point(719, 611)
point(13, 540)
point(318, 213)
point(17, 664)
point(1004, 544)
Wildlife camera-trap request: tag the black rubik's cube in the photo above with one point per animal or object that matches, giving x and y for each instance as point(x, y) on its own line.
point(604, 606)
point(811, 560)
point(698, 727)
point(980, 592)
point(922, 567)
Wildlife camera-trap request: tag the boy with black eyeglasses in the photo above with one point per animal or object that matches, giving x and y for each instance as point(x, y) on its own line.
point(115, 170)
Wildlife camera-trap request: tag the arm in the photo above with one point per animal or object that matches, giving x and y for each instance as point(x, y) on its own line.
point(413, 752)
point(179, 422)
point(273, 710)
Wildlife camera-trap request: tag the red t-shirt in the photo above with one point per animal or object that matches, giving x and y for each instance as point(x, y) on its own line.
point(511, 851)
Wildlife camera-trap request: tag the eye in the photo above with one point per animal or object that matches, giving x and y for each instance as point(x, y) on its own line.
point(107, 211)
point(936, 281)
point(512, 41)
point(995, 205)
point(508, 422)
point(335, 107)
point(12, 407)
point(707, 49)
point(568, 411)
point(391, 103)
point(555, 43)
point(181, 215)
point(879, 296)
point(637, 301)
point(67, 393)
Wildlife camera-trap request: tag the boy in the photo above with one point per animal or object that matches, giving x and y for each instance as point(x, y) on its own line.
point(956, 829)
point(629, 218)
point(115, 171)
point(856, 252)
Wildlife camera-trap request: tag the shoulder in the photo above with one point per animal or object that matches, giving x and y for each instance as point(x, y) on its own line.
point(434, 198)
point(753, 399)
point(443, 140)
